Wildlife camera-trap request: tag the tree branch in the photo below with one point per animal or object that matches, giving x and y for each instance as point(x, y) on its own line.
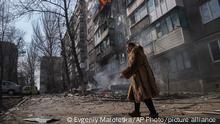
point(55, 4)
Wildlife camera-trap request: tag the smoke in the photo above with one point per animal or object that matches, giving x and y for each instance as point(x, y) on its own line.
point(106, 79)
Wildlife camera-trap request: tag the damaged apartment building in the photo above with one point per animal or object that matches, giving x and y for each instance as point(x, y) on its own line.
point(182, 40)
point(106, 37)
point(78, 26)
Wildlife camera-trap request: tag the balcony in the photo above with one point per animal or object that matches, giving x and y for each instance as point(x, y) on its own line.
point(174, 39)
point(103, 35)
point(134, 6)
point(163, 8)
point(137, 27)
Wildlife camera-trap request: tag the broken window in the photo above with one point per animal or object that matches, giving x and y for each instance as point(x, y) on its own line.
point(214, 48)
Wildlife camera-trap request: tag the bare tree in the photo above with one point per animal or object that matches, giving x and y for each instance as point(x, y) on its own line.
point(46, 38)
point(64, 10)
point(47, 42)
point(32, 56)
point(27, 66)
point(64, 54)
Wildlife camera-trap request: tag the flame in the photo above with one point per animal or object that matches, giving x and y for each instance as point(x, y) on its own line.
point(103, 3)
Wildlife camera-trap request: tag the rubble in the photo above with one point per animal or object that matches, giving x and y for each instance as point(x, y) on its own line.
point(60, 106)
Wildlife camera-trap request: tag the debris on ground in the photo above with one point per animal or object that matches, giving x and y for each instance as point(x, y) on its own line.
point(97, 104)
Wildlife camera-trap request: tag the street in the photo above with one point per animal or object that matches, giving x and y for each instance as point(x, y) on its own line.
point(72, 108)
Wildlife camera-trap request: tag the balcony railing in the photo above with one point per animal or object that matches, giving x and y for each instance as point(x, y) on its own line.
point(171, 40)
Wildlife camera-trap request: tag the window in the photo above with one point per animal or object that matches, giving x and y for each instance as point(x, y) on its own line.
point(209, 11)
point(137, 16)
point(158, 29)
point(164, 28)
point(205, 13)
point(154, 34)
point(132, 19)
point(180, 62)
point(215, 9)
point(183, 19)
point(163, 6)
point(142, 12)
point(214, 48)
point(169, 24)
point(151, 5)
point(157, 3)
point(175, 20)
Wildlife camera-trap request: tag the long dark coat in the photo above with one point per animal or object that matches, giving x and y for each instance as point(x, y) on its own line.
point(143, 85)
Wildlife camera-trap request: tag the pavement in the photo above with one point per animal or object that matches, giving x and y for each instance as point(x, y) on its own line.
point(72, 108)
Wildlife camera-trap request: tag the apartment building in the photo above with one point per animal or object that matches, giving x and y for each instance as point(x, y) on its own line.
point(181, 39)
point(107, 36)
point(9, 61)
point(92, 6)
point(80, 32)
point(51, 75)
point(79, 27)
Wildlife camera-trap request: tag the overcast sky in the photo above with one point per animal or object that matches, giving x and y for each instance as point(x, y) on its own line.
point(25, 25)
